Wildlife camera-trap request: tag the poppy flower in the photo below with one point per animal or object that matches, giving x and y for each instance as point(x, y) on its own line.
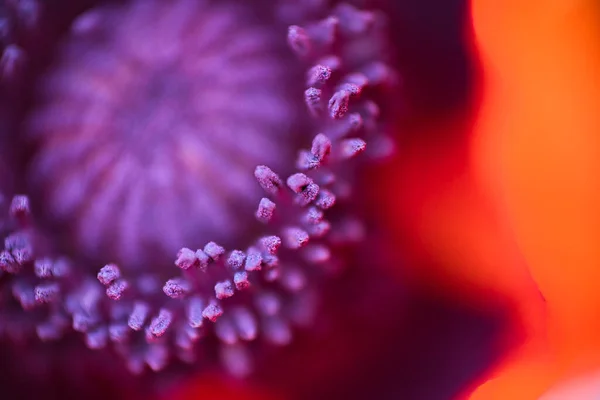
point(134, 128)
point(441, 333)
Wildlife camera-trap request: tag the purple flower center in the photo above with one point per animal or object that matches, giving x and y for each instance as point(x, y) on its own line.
point(145, 133)
point(149, 122)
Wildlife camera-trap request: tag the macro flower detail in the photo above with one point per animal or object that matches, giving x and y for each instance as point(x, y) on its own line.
point(30, 287)
point(152, 116)
point(169, 124)
point(276, 271)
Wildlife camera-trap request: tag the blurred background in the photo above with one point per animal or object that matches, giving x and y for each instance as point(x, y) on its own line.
point(479, 279)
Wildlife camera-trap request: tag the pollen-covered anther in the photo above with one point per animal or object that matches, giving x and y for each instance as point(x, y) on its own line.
point(186, 258)
point(265, 211)
point(270, 244)
point(349, 148)
point(8, 263)
point(314, 38)
point(83, 305)
point(236, 259)
point(138, 316)
point(214, 251)
point(23, 255)
point(42, 267)
point(17, 240)
point(254, 260)
point(321, 148)
point(116, 289)
point(299, 41)
point(271, 262)
point(177, 288)
point(338, 103)
point(108, 274)
point(313, 98)
point(318, 75)
point(323, 33)
point(294, 237)
point(306, 161)
point(353, 123)
point(298, 182)
point(354, 83)
point(312, 216)
point(160, 324)
point(45, 268)
point(223, 289)
point(20, 248)
point(241, 281)
point(304, 187)
point(212, 312)
point(331, 61)
point(268, 180)
point(325, 199)
point(20, 207)
point(194, 311)
point(47, 292)
point(203, 259)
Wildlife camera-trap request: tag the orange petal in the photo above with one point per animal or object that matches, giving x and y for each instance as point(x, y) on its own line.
point(538, 150)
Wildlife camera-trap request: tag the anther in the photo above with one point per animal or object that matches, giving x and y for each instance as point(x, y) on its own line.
point(268, 180)
point(177, 288)
point(265, 211)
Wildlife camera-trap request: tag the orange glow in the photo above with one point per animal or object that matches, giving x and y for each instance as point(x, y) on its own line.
point(506, 208)
point(537, 151)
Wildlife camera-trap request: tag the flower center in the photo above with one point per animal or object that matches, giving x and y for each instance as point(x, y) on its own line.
point(149, 125)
